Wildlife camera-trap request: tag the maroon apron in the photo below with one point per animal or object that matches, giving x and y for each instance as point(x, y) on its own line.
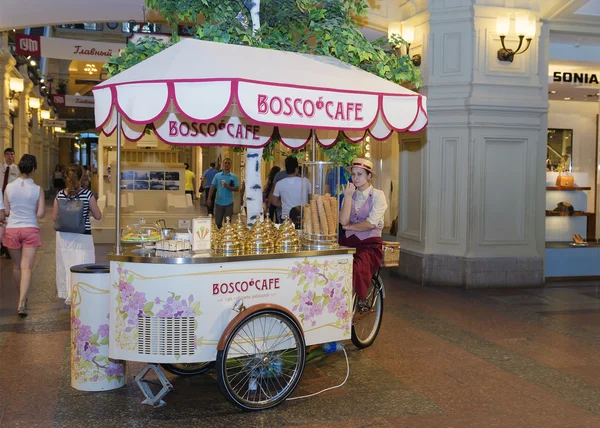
point(368, 244)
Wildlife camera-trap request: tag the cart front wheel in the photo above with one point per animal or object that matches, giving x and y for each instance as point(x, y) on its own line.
point(365, 326)
point(262, 360)
point(188, 369)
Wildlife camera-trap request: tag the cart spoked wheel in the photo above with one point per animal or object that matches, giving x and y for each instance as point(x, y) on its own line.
point(188, 369)
point(365, 326)
point(262, 360)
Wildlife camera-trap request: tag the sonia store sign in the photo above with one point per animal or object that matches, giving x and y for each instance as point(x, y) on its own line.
point(568, 77)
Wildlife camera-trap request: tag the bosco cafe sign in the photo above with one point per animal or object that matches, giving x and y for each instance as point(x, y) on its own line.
point(570, 77)
point(234, 131)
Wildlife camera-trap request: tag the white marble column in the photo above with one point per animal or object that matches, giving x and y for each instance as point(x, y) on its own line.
point(471, 187)
point(7, 63)
point(22, 132)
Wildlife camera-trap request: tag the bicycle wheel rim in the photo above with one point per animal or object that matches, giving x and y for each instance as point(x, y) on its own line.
point(366, 326)
point(258, 374)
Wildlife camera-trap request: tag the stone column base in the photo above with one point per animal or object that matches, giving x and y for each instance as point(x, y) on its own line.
point(468, 272)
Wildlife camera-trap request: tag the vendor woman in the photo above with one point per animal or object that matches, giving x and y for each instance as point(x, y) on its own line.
point(361, 218)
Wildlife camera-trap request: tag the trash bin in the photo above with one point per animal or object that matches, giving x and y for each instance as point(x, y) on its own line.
point(91, 369)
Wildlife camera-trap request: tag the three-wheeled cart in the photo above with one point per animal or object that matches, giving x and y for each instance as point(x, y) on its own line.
point(252, 314)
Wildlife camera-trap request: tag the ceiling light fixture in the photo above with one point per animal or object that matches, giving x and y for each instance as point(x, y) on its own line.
point(567, 98)
point(553, 92)
point(90, 69)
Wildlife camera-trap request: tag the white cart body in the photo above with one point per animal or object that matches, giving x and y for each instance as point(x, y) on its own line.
point(176, 310)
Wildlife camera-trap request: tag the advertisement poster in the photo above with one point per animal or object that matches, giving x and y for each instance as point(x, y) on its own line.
point(201, 229)
point(150, 180)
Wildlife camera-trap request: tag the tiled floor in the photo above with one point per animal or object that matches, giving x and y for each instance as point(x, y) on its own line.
point(444, 358)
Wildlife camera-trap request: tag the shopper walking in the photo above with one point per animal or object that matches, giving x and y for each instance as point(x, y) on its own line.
point(190, 181)
point(9, 172)
point(205, 183)
point(23, 205)
point(271, 209)
point(292, 191)
point(270, 199)
point(74, 241)
point(223, 185)
point(58, 178)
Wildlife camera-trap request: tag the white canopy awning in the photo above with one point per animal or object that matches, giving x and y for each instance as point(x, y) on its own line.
point(199, 92)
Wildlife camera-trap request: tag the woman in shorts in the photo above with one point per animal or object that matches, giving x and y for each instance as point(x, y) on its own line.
point(23, 205)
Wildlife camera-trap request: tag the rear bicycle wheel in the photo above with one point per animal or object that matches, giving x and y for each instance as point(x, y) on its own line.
point(262, 361)
point(365, 326)
point(188, 369)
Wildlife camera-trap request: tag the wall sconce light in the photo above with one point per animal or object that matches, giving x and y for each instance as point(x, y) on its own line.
point(525, 27)
point(45, 114)
point(407, 33)
point(16, 85)
point(34, 103)
point(58, 129)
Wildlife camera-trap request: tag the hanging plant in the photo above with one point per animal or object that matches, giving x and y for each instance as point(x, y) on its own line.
point(324, 27)
point(343, 151)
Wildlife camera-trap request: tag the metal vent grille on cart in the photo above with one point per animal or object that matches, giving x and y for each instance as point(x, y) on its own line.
point(166, 336)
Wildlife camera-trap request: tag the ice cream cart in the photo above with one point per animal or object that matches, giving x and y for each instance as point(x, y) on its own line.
point(252, 312)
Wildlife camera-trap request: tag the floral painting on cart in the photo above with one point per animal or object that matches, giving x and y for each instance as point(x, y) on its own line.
point(177, 313)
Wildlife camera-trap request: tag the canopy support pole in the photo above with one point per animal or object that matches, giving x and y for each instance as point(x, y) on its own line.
point(118, 184)
point(313, 154)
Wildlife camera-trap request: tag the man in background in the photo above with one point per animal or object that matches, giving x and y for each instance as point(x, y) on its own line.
point(9, 172)
point(278, 177)
point(205, 183)
point(223, 185)
point(190, 181)
point(293, 190)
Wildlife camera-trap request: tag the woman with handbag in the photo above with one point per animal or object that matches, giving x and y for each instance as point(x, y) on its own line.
point(74, 242)
point(23, 206)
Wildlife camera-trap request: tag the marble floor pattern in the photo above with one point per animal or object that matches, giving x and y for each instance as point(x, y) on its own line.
point(444, 358)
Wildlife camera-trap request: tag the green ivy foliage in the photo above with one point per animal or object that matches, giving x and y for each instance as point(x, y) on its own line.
point(324, 27)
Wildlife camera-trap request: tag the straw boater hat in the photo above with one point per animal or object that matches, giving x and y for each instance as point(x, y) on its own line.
point(365, 164)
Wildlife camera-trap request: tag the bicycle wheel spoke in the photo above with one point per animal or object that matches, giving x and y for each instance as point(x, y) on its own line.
point(263, 361)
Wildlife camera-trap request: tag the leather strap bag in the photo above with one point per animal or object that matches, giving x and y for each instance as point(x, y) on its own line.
point(70, 216)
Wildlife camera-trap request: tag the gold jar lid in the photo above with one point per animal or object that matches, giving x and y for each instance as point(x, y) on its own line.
point(241, 229)
point(259, 243)
point(287, 242)
point(228, 242)
point(270, 226)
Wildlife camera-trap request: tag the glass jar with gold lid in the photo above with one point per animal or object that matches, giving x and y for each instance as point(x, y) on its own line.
point(287, 238)
point(229, 243)
point(261, 240)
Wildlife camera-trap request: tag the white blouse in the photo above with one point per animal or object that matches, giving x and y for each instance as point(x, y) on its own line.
point(379, 204)
point(23, 196)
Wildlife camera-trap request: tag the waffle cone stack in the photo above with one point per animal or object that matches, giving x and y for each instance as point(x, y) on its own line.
point(320, 215)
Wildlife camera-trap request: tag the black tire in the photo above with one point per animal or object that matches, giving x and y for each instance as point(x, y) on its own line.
point(188, 369)
point(365, 326)
point(260, 379)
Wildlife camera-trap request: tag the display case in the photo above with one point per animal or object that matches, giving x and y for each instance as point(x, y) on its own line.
point(320, 216)
point(141, 233)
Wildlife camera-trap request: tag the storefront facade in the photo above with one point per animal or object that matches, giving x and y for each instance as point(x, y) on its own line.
point(21, 117)
point(472, 187)
point(469, 192)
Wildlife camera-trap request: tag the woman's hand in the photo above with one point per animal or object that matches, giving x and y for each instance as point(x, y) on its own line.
point(349, 190)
